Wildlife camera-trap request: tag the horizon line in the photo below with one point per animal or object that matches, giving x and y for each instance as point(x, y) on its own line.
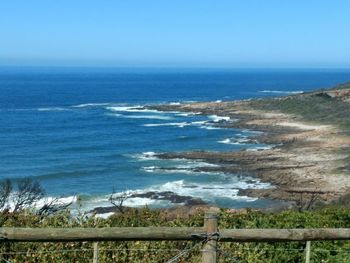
point(178, 67)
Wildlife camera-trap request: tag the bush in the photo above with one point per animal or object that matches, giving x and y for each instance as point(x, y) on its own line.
point(157, 251)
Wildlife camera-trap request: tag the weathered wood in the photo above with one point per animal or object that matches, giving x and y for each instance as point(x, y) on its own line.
point(99, 234)
point(168, 233)
point(95, 255)
point(277, 235)
point(211, 228)
point(308, 251)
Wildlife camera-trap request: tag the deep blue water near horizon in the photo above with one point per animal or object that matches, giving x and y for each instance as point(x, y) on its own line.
point(85, 132)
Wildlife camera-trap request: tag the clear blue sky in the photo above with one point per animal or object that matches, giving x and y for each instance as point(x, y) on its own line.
point(177, 33)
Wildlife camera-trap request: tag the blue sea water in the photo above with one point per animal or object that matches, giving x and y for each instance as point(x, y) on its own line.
point(85, 132)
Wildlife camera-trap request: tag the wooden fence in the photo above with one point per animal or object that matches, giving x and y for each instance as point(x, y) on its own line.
point(209, 233)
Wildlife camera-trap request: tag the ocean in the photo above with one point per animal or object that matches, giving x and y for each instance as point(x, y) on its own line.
point(84, 132)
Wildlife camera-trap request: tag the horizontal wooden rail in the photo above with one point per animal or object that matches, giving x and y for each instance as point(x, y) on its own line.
point(276, 235)
point(169, 233)
point(99, 234)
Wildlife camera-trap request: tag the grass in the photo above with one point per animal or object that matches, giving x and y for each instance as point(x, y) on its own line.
point(323, 251)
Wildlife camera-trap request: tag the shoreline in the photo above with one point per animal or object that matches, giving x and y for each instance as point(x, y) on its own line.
point(305, 160)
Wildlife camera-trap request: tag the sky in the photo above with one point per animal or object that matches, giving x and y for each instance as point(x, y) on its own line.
point(177, 33)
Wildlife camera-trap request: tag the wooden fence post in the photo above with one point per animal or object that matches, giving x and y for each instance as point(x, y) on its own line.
point(211, 228)
point(95, 255)
point(308, 251)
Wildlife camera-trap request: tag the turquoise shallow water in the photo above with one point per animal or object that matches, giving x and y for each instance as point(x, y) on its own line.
point(85, 131)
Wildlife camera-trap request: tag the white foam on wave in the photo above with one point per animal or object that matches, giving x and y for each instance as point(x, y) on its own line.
point(177, 165)
point(206, 191)
point(209, 191)
point(229, 141)
point(187, 114)
point(53, 109)
point(86, 105)
point(45, 200)
point(207, 127)
point(184, 166)
point(152, 117)
point(238, 141)
point(174, 103)
point(150, 169)
point(132, 202)
point(56, 200)
point(139, 201)
point(183, 169)
point(199, 122)
point(176, 124)
point(103, 201)
point(137, 108)
point(195, 164)
point(145, 156)
point(217, 118)
point(282, 91)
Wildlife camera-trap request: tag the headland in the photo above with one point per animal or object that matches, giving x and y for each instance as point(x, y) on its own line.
point(309, 134)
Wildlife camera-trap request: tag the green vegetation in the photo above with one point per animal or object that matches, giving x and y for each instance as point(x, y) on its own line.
point(342, 86)
point(337, 251)
point(315, 107)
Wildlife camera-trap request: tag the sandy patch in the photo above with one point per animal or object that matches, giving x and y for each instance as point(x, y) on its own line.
point(303, 126)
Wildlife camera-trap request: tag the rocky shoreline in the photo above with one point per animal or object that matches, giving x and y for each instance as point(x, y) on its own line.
point(305, 162)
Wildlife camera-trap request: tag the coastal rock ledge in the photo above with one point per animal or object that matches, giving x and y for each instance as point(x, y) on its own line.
point(311, 152)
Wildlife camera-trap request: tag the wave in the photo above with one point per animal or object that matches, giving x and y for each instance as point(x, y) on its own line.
point(152, 117)
point(217, 118)
point(45, 200)
point(282, 91)
point(137, 108)
point(207, 127)
point(145, 156)
point(176, 124)
point(201, 124)
point(54, 109)
point(187, 114)
point(177, 169)
point(229, 141)
point(56, 200)
point(103, 201)
point(182, 165)
point(208, 192)
point(238, 141)
point(86, 105)
point(216, 189)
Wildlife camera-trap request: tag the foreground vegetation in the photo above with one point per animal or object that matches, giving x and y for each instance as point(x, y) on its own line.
point(337, 251)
